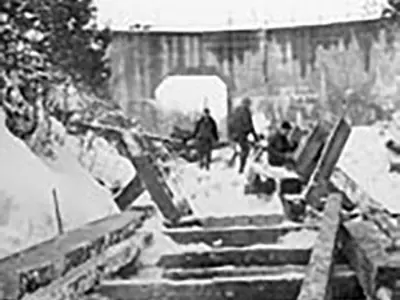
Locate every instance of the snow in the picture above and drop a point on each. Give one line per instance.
(191, 94)
(216, 193)
(366, 159)
(221, 191)
(27, 213)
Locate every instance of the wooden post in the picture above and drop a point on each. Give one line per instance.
(58, 213)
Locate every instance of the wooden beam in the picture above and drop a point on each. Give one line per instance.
(139, 152)
(86, 276)
(130, 193)
(38, 266)
(231, 221)
(317, 186)
(281, 287)
(235, 271)
(332, 150)
(234, 236)
(317, 282)
(245, 256)
(307, 157)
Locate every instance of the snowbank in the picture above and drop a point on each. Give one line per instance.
(27, 213)
(366, 159)
(94, 153)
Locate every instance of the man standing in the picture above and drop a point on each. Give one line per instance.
(240, 126)
(206, 134)
(280, 147)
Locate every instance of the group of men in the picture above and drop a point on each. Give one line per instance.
(240, 127)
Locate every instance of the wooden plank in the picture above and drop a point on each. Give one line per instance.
(316, 188)
(230, 221)
(140, 152)
(283, 287)
(332, 150)
(86, 276)
(244, 256)
(130, 193)
(236, 271)
(160, 193)
(57, 257)
(236, 236)
(307, 157)
(317, 282)
(236, 257)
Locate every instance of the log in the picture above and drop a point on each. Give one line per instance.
(283, 287)
(317, 282)
(235, 236)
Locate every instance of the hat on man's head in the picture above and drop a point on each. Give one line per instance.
(246, 101)
(286, 125)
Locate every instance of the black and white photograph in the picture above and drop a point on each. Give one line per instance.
(199, 150)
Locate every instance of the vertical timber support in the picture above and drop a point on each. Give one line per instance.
(151, 177)
(317, 185)
(317, 282)
(307, 157)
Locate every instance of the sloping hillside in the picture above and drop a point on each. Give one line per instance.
(27, 210)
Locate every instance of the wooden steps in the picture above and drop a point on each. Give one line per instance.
(284, 286)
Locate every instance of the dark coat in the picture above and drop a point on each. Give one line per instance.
(241, 124)
(206, 130)
(278, 146)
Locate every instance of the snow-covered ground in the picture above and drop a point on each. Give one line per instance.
(27, 209)
(366, 159)
(219, 192)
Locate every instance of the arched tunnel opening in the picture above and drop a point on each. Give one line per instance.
(182, 98)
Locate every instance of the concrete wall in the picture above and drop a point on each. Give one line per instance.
(270, 66)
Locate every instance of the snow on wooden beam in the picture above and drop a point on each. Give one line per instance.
(317, 282)
(234, 236)
(246, 256)
(230, 221)
(235, 271)
(37, 267)
(285, 286)
(85, 277)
